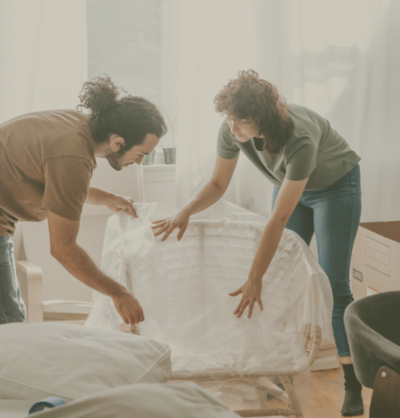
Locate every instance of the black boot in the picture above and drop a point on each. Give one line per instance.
(353, 404)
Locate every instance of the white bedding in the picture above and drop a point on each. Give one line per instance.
(14, 408)
(38, 360)
(147, 400)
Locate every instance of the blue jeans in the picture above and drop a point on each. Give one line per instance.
(334, 215)
(12, 308)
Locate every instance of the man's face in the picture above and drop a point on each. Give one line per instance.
(244, 130)
(134, 155)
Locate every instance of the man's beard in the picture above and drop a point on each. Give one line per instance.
(114, 160)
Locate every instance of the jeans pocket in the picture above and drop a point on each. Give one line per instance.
(350, 179)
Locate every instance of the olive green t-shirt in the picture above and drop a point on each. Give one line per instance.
(46, 162)
(314, 150)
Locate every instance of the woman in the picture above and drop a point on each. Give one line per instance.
(317, 189)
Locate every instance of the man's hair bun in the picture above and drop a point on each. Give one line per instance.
(99, 95)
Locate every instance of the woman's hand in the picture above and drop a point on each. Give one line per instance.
(166, 226)
(251, 293)
(118, 203)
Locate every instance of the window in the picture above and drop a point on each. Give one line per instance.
(124, 42)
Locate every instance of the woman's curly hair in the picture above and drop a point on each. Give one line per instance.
(253, 99)
(130, 117)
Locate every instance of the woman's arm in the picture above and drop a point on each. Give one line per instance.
(288, 197)
(215, 188)
(209, 194)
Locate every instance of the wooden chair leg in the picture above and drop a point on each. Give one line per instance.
(294, 408)
(134, 329)
(385, 400)
(295, 404)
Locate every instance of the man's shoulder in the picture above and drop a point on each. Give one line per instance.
(48, 134)
(46, 118)
(69, 135)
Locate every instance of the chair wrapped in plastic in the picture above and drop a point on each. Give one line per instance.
(183, 288)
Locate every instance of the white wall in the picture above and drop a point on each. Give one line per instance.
(160, 183)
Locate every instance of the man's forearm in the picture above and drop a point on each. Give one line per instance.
(79, 264)
(98, 196)
(209, 194)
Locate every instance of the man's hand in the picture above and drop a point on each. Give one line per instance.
(120, 203)
(114, 202)
(128, 307)
(251, 293)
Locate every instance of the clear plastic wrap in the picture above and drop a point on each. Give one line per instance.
(183, 288)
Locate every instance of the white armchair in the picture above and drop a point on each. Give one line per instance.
(50, 292)
(183, 287)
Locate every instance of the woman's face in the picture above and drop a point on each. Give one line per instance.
(244, 129)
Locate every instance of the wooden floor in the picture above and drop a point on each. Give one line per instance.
(326, 394)
(321, 395)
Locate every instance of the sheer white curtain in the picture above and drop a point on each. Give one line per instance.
(341, 58)
(337, 57)
(216, 39)
(43, 58)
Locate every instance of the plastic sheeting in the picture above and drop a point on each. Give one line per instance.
(183, 288)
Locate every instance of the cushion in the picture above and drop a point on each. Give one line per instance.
(38, 360)
(146, 400)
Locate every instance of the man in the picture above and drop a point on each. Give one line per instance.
(46, 162)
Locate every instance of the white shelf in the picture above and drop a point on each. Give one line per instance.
(159, 183)
(170, 167)
(159, 173)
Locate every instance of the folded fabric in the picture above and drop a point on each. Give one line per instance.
(38, 360)
(144, 401)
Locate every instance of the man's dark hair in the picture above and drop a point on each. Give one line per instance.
(130, 117)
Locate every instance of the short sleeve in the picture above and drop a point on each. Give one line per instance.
(226, 147)
(67, 181)
(303, 160)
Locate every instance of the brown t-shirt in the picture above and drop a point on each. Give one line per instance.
(46, 162)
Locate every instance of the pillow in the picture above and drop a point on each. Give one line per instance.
(184, 400)
(38, 360)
